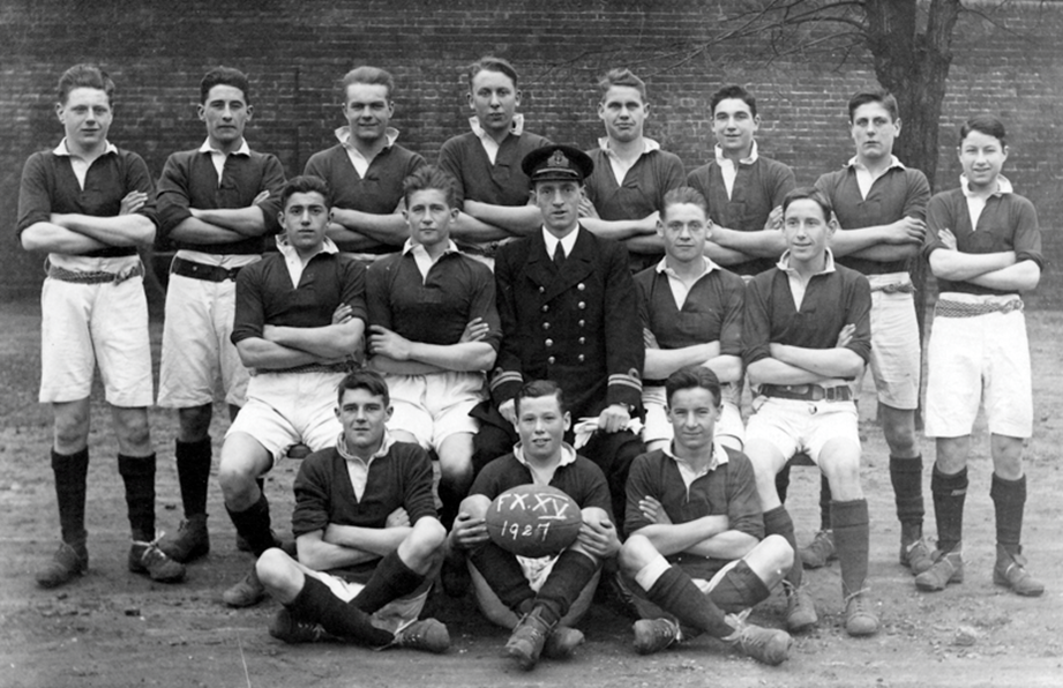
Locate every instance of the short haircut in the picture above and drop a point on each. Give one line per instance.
(684, 194)
(811, 193)
(363, 378)
(85, 76)
(304, 183)
(224, 76)
(368, 75)
(491, 64)
(986, 124)
(541, 388)
(430, 177)
(622, 77)
(733, 91)
(877, 96)
(693, 377)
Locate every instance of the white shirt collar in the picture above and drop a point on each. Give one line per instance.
(707, 267)
(719, 455)
(568, 454)
(244, 149)
(567, 243)
(894, 162)
(343, 135)
(62, 149)
(648, 145)
(422, 259)
(784, 263)
(721, 158)
(516, 127)
(385, 447)
(418, 248)
(678, 285)
(1003, 186)
(289, 251)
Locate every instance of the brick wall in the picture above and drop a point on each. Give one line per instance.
(296, 51)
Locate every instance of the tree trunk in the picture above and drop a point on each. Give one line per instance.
(914, 67)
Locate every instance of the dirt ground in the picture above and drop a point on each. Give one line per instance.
(113, 628)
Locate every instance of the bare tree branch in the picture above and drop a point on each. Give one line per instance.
(982, 14)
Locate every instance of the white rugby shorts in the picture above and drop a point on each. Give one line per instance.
(974, 360)
(794, 425)
(895, 355)
(283, 409)
(729, 427)
(434, 407)
(199, 361)
(85, 325)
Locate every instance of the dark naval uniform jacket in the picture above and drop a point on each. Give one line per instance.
(578, 326)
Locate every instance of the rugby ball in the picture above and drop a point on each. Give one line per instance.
(533, 521)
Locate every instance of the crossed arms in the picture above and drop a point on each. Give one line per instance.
(74, 233)
(1001, 270)
(338, 546)
(729, 535)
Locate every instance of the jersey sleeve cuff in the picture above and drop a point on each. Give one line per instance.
(505, 384)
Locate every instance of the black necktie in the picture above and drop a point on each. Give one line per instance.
(559, 255)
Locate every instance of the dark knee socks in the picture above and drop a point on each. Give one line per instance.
(504, 575)
(70, 473)
(782, 483)
(907, 478)
(193, 473)
(391, 580)
(571, 573)
(677, 594)
(849, 521)
(754, 590)
(138, 474)
(317, 603)
(950, 492)
(253, 525)
(825, 501)
(451, 497)
(777, 521)
(1009, 500)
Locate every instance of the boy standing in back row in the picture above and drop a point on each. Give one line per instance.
(216, 203)
(486, 162)
(625, 192)
(365, 170)
(984, 247)
(89, 205)
(880, 206)
(743, 189)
